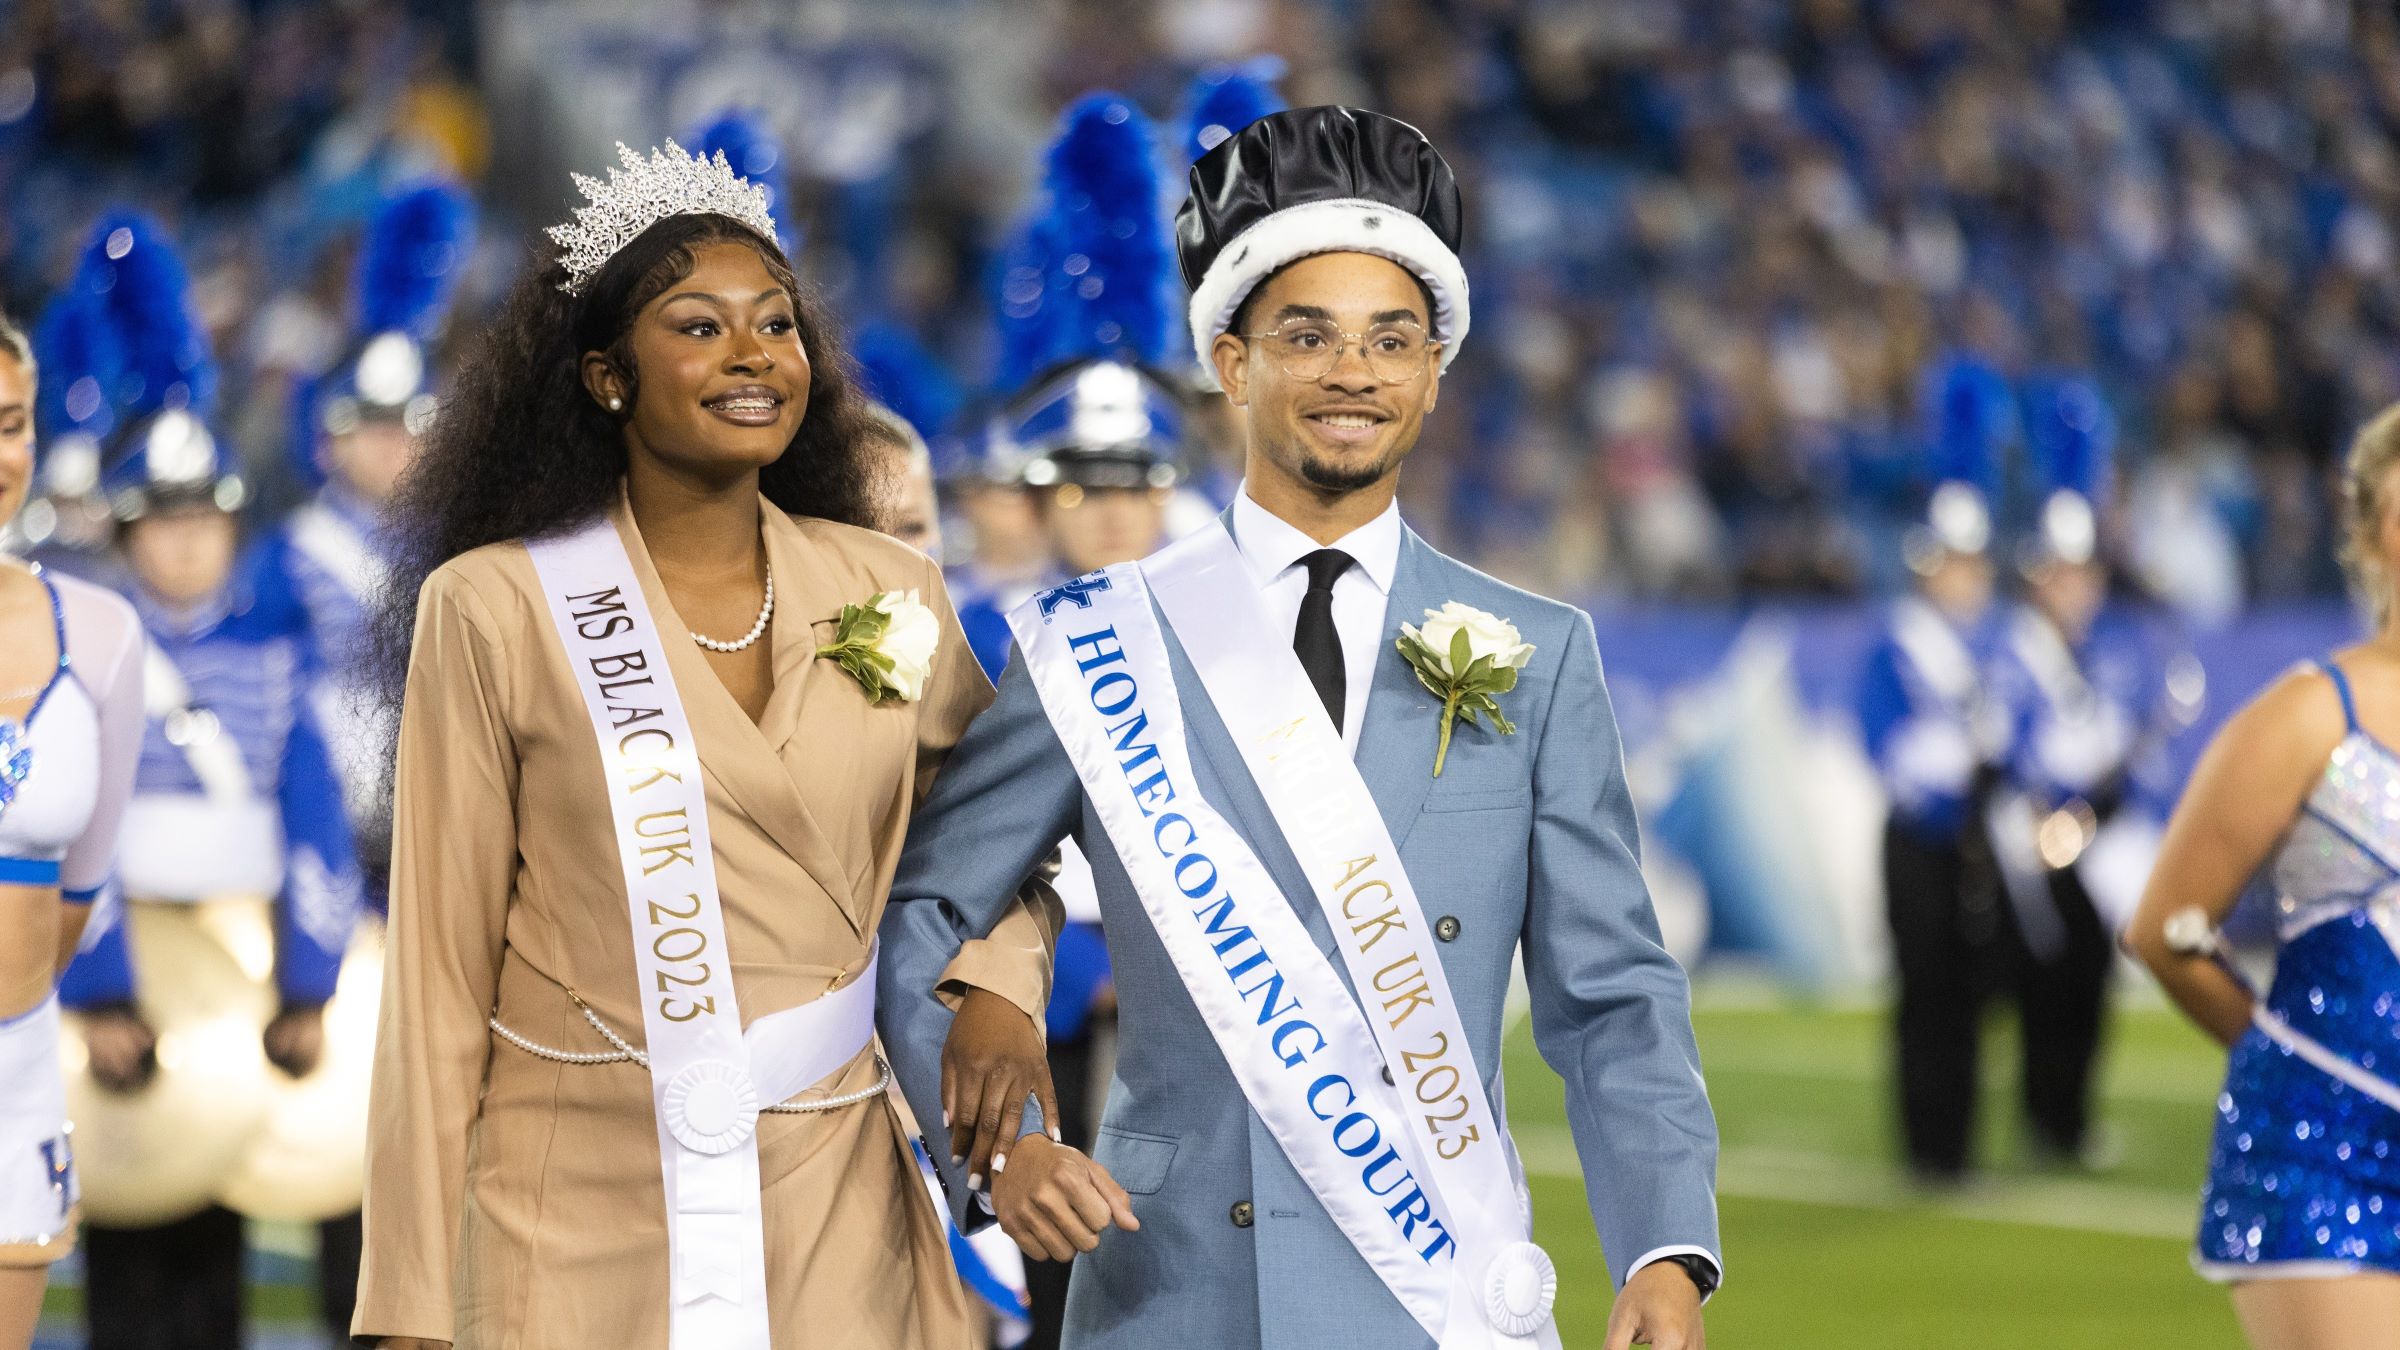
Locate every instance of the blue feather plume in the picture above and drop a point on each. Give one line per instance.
(409, 267)
(1973, 419)
(145, 299)
(755, 153)
(1111, 258)
(2073, 433)
(899, 373)
(81, 360)
(1021, 302)
(1225, 99)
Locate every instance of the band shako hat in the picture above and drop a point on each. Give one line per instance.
(1319, 180)
(2072, 432)
(1971, 419)
(1087, 323)
(152, 363)
(410, 263)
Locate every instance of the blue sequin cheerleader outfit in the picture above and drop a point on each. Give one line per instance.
(2304, 1173)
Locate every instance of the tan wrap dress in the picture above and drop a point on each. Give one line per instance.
(514, 1201)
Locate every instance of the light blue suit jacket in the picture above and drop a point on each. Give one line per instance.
(1527, 838)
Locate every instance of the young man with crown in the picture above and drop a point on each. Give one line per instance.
(1318, 855)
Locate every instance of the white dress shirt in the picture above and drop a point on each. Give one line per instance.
(1361, 594)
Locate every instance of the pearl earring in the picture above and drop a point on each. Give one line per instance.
(616, 404)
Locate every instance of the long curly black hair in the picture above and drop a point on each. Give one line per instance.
(519, 447)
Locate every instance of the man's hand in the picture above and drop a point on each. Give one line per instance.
(993, 1059)
(123, 1049)
(295, 1040)
(1660, 1307)
(1055, 1202)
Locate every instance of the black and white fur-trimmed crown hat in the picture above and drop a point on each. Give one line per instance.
(1319, 180)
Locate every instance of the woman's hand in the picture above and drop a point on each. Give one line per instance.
(123, 1049)
(1054, 1202)
(993, 1059)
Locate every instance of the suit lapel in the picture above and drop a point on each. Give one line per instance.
(733, 750)
(1395, 748)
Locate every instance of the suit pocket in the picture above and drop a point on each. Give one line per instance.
(1138, 1161)
(1478, 799)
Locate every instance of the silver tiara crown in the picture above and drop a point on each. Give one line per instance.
(671, 182)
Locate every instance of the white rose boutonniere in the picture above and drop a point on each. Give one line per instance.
(886, 644)
(1467, 659)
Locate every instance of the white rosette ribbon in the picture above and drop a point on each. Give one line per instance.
(1519, 1287)
(711, 1107)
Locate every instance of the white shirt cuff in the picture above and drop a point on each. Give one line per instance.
(1680, 1249)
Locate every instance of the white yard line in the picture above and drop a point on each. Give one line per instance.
(1807, 1178)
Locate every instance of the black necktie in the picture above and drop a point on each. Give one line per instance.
(1314, 638)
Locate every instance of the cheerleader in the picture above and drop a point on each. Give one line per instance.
(70, 726)
(2301, 1210)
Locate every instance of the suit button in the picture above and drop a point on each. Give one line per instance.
(1446, 928)
(1243, 1214)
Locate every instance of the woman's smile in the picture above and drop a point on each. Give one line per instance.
(749, 405)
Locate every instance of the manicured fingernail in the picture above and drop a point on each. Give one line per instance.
(999, 1163)
(958, 1160)
(974, 1181)
(1056, 1137)
(945, 1117)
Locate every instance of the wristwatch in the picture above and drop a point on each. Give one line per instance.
(1702, 1270)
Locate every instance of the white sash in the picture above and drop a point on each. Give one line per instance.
(337, 546)
(1417, 1175)
(1938, 653)
(215, 758)
(700, 1068)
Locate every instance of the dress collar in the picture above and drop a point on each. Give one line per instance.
(1273, 546)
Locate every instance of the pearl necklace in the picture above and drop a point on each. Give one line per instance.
(766, 611)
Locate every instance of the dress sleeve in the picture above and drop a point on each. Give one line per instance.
(454, 862)
(104, 648)
(1015, 959)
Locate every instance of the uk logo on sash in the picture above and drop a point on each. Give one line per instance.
(1078, 593)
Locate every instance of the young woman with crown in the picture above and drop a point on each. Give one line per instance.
(668, 706)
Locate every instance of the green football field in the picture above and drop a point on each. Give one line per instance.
(1827, 1247)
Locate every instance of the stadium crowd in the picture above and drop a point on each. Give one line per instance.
(1720, 247)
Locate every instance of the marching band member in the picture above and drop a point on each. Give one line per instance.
(2301, 1210)
(1314, 896)
(322, 569)
(70, 728)
(668, 707)
(1931, 731)
(1098, 434)
(234, 797)
(2089, 713)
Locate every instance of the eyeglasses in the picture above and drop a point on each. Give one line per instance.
(1309, 349)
